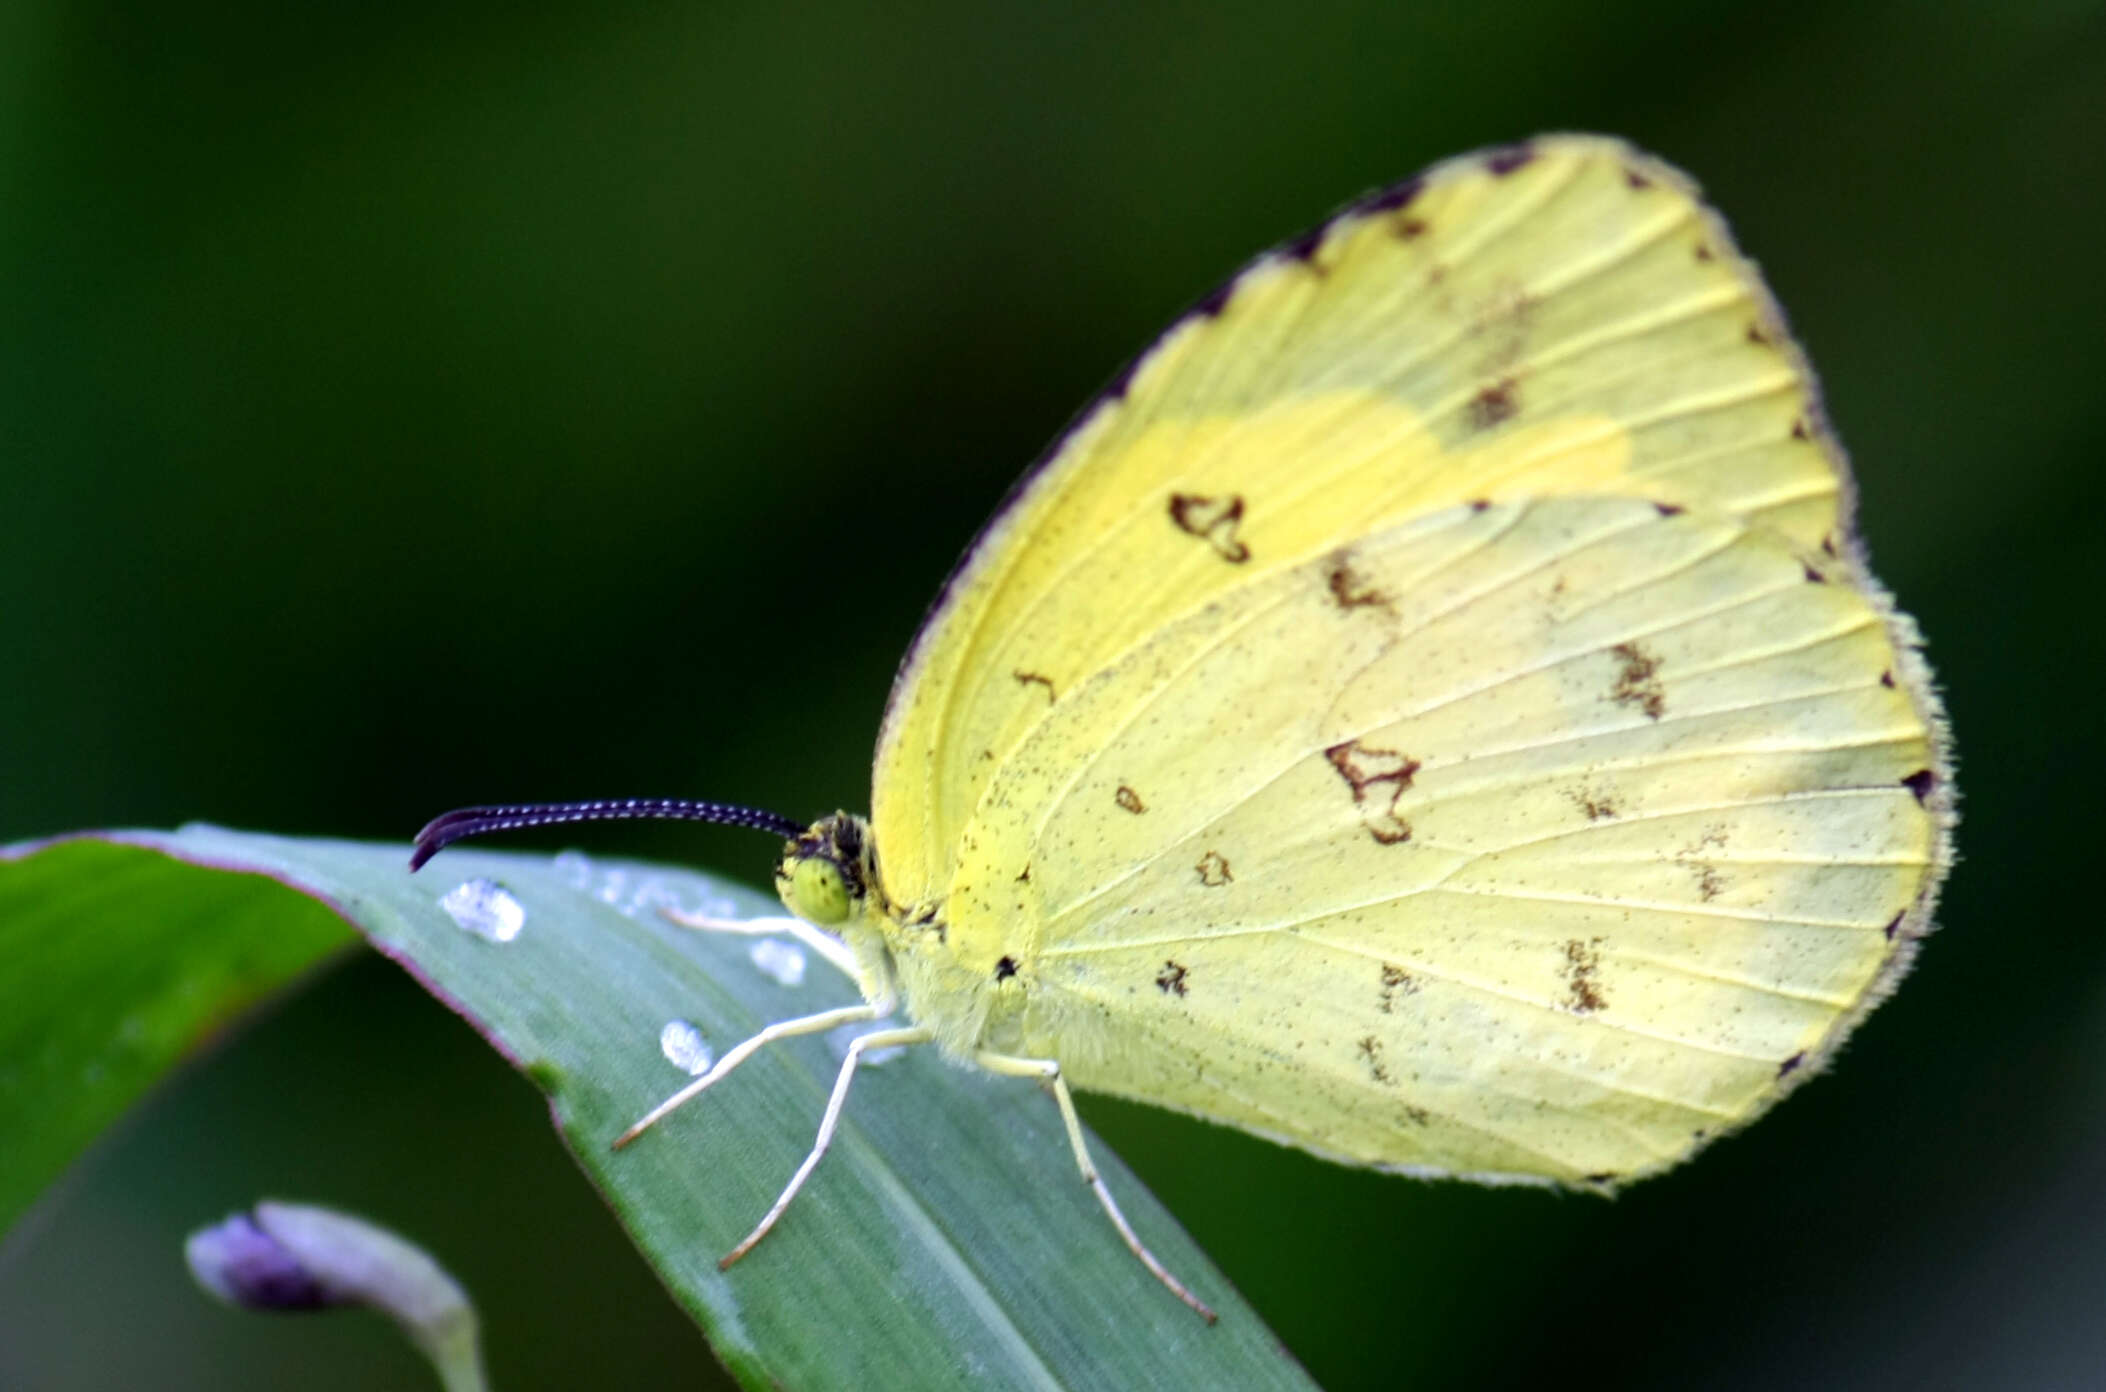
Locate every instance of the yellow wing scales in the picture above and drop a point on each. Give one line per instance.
(1432, 709)
(1434, 858)
(1574, 321)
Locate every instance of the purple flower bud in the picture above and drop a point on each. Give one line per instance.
(244, 1265)
(297, 1257)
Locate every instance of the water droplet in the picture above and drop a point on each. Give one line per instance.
(656, 894)
(838, 1040)
(639, 894)
(486, 909)
(574, 868)
(685, 1048)
(781, 960)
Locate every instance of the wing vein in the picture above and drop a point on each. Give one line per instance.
(1653, 906)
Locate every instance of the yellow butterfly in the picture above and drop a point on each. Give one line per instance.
(1432, 709)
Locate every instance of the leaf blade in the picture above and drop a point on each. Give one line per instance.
(89, 1021)
(945, 1240)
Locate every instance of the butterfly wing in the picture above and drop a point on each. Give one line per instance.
(1564, 317)
(1549, 841)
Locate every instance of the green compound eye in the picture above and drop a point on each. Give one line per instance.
(818, 891)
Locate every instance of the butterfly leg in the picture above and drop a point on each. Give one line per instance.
(739, 1053)
(877, 1039)
(818, 940)
(1047, 1071)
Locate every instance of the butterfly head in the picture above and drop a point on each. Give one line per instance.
(828, 873)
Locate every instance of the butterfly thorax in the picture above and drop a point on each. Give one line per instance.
(830, 877)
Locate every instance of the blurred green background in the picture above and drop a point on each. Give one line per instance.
(404, 408)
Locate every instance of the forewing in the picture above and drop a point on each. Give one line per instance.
(1564, 317)
(1537, 840)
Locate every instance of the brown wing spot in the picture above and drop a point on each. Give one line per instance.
(1636, 180)
(1367, 771)
(1757, 337)
(1597, 806)
(1130, 800)
(1349, 588)
(1603, 1178)
(1638, 680)
(1305, 247)
(1398, 195)
(1828, 547)
(1023, 876)
(1710, 883)
(1711, 838)
(1920, 783)
(1791, 1065)
(1396, 983)
(1171, 979)
(1409, 228)
(1894, 926)
(1669, 509)
(1503, 162)
(1799, 431)
(1814, 577)
(1370, 1050)
(1886, 679)
(1213, 519)
(1418, 1116)
(1703, 251)
(1215, 302)
(1582, 973)
(1499, 326)
(1493, 404)
(1005, 969)
(1213, 870)
(1024, 678)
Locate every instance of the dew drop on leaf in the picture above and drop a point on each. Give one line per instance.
(781, 960)
(486, 909)
(574, 868)
(685, 1048)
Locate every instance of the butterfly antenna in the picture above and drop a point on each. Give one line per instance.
(464, 822)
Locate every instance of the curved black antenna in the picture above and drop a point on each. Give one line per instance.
(464, 822)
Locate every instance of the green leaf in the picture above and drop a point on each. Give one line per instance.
(117, 964)
(945, 1240)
